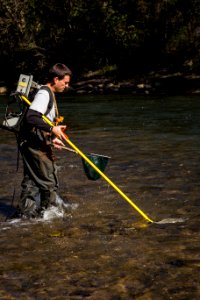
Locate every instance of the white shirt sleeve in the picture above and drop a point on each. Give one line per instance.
(40, 102)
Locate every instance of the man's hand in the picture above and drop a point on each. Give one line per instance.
(58, 144)
(59, 131)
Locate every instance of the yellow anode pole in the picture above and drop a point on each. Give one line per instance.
(97, 169)
(110, 182)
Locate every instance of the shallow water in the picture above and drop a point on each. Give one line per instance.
(102, 248)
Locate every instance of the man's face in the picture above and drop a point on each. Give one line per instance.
(61, 84)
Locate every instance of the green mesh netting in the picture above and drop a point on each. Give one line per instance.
(99, 161)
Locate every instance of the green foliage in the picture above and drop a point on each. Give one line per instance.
(88, 35)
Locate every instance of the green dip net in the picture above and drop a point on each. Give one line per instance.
(100, 161)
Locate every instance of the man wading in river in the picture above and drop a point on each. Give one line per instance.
(36, 141)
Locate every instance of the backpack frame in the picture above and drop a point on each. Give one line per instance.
(16, 108)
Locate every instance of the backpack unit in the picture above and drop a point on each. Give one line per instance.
(14, 114)
(17, 108)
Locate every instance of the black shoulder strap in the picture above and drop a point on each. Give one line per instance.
(50, 105)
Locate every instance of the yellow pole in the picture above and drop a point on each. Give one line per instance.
(97, 169)
(109, 181)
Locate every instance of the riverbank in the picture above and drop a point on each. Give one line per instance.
(171, 84)
(167, 84)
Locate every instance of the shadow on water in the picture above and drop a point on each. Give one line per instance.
(5, 209)
(103, 249)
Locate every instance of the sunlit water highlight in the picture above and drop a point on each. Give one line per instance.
(100, 247)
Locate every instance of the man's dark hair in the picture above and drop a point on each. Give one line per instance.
(58, 70)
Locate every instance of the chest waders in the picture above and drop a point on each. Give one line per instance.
(40, 181)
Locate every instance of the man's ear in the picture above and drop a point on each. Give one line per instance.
(54, 80)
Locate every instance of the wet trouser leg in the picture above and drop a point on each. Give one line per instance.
(40, 178)
(28, 197)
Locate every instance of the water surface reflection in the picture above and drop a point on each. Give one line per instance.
(104, 249)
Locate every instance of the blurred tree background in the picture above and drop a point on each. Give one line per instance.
(124, 37)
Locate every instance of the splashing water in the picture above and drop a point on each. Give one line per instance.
(59, 210)
(171, 221)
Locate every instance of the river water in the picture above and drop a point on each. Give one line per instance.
(102, 248)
